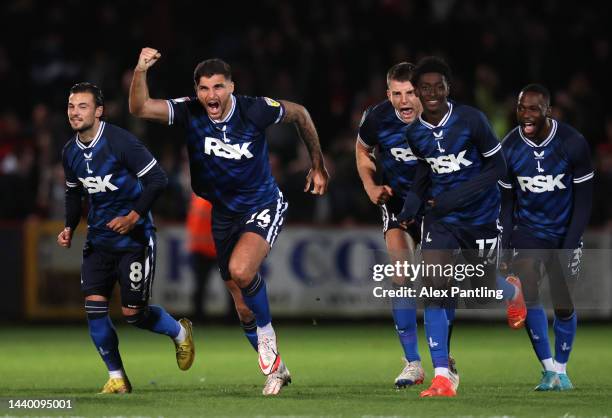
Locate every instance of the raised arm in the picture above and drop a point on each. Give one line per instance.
(141, 105)
(317, 176)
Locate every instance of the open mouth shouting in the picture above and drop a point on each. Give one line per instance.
(529, 128)
(214, 108)
(407, 113)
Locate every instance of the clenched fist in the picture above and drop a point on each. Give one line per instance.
(148, 57)
(379, 195)
(124, 224)
(64, 239)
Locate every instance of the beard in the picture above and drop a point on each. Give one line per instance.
(83, 127)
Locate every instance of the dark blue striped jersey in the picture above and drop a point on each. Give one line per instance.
(542, 177)
(381, 126)
(455, 150)
(229, 158)
(107, 169)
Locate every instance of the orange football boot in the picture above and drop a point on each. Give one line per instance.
(516, 310)
(440, 386)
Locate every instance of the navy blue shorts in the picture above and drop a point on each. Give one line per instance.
(478, 245)
(526, 245)
(477, 242)
(389, 212)
(525, 239)
(134, 269)
(265, 221)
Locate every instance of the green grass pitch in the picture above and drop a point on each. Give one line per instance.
(337, 371)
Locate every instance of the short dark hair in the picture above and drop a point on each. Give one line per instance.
(210, 67)
(400, 72)
(537, 88)
(86, 87)
(431, 64)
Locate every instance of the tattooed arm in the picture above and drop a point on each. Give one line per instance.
(317, 176)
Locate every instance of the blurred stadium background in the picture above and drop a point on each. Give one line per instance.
(332, 57)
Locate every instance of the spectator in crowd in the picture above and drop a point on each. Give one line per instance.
(202, 254)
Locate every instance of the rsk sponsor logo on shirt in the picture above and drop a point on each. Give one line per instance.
(216, 147)
(541, 184)
(98, 184)
(403, 154)
(448, 163)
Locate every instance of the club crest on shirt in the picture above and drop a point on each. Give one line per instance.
(271, 102)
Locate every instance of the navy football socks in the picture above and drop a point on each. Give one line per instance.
(250, 332)
(565, 331)
(436, 331)
(103, 333)
(508, 290)
(450, 319)
(536, 325)
(404, 316)
(256, 298)
(155, 318)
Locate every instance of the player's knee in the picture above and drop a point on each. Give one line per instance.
(434, 302)
(564, 313)
(531, 292)
(530, 284)
(135, 317)
(96, 309)
(241, 274)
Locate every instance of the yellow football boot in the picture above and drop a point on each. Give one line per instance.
(117, 385)
(185, 351)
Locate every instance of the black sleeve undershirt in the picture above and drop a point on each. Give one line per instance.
(153, 183)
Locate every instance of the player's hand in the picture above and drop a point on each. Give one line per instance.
(379, 195)
(318, 179)
(148, 57)
(406, 224)
(64, 239)
(124, 224)
(410, 209)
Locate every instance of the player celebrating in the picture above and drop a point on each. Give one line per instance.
(228, 157)
(459, 152)
(122, 180)
(546, 207)
(384, 127)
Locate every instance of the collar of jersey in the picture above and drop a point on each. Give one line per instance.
(442, 122)
(549, 138)
(92, 143)
(229, 115)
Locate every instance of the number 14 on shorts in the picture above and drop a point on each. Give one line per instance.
(263, 218)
